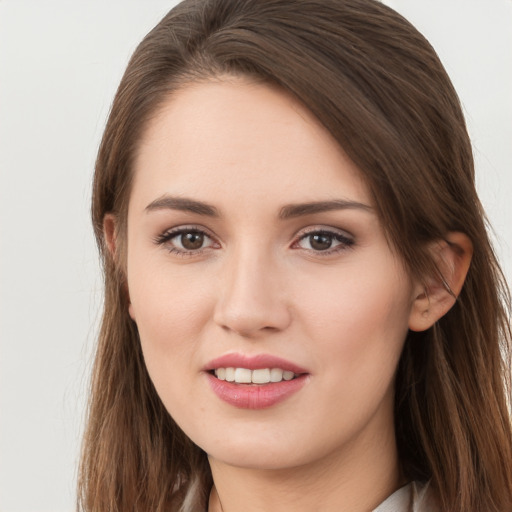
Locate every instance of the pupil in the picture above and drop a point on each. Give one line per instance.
(192, 240)
(320, 242)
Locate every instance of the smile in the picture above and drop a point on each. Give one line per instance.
(258, 376)
(255, 381)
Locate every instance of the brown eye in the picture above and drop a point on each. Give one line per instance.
(192, 240)
(325, 241)
(185, 241)
(320, 242)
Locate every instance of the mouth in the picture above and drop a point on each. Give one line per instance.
(256, 376)
(254, 382)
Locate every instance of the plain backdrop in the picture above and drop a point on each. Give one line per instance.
(60, 63)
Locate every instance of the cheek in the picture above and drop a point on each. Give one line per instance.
(357, 326)
(359, 298)
(170, 314)
(361, 321)
(162, 293)
(170, 310)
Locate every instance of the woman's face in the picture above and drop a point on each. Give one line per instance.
(254, 252)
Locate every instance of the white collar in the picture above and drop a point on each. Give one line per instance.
(413, 497)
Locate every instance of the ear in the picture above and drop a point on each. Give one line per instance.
(110, 234)
(434, 298)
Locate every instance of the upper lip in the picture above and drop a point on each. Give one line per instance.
(254, 362)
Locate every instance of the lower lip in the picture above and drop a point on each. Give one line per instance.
(255, 396)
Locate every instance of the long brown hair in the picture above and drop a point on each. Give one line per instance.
(380, 89)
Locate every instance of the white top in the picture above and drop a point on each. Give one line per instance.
(413, 497)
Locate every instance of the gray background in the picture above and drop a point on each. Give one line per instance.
(60, 62)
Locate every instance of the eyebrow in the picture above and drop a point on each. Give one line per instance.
(298, 210)
(183, 204)
(287, 212)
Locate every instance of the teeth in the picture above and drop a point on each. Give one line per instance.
(259, 376)
(243, 376)
(230, 374)
(287, 375)
(276, 375)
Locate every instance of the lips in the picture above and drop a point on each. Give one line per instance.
(254, 382)
(254, 363)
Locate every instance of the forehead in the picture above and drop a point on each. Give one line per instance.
(233, 137)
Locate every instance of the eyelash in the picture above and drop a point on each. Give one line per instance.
(345, 241)
(167, 236)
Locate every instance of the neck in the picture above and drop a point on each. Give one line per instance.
(357, 479)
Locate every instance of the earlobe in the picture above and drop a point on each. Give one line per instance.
(435, 297)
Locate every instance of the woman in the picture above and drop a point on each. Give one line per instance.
(302, 308)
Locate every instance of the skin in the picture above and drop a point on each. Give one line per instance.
(258, 284)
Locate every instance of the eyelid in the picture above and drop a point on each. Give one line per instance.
(346, 239)
(322, 228)
(167, 235)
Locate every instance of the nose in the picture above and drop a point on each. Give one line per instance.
(252, 296)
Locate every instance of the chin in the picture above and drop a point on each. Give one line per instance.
(266, 452)
(259, 459)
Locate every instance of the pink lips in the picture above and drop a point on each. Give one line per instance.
(253, 363)
(254, 396)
